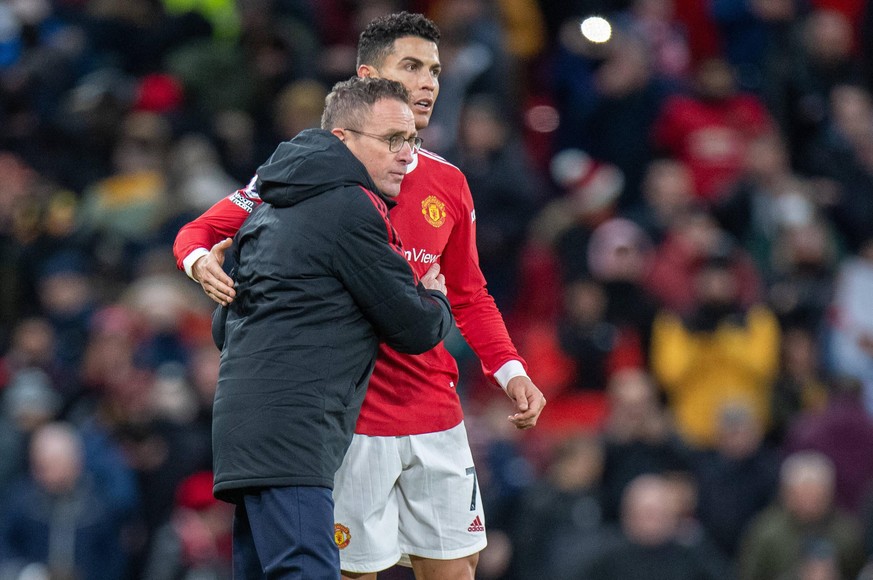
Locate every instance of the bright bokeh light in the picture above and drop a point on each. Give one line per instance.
(596, 29)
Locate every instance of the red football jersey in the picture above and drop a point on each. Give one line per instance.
(436, 220)
(711, 137)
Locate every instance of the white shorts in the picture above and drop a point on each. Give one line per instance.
(415, 495)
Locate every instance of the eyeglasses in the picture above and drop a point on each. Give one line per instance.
(395, 142)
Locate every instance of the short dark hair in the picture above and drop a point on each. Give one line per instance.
(377, 40)
(349, 101)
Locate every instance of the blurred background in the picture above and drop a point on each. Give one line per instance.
(674, 202)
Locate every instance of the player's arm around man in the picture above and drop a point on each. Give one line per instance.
(403, 47)
(208, 272)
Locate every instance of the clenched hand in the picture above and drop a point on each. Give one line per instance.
(529, 402)
(433, 280)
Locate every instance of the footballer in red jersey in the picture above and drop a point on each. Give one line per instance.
(407, 490)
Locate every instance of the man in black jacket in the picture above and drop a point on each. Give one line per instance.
(321, 281)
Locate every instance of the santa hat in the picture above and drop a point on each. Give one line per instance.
(592, 185)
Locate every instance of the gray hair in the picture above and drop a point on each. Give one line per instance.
(806, 466)
(349, 102)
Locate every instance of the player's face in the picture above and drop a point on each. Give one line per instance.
(388, 117)
(415, 63)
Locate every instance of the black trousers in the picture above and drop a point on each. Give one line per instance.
(285, 533)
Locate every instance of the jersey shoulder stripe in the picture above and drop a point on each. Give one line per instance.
(251, 190)
(433, 156)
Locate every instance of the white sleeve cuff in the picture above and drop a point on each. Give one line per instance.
(189, 260)
(509, 371)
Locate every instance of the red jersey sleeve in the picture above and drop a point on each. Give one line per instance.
(476, 314)
(222, 220)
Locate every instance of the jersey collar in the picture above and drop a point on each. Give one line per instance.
(414, 164)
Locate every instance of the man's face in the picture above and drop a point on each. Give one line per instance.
(415, 63)
(388, 117)
(55, 461)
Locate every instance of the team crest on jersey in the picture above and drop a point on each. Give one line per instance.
(341, 536)
(434, 211)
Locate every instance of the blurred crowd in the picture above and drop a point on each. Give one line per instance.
(674, 213)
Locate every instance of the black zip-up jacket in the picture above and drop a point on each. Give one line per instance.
(320, 280)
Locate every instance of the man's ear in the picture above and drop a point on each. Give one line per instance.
(340, 133)
(366, 71)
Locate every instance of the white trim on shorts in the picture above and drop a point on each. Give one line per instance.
(410, 495)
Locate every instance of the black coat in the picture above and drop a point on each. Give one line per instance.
(320, 281)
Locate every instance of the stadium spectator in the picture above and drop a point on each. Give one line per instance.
(564, 508)
(667, 191)
(506, 189)
(842, 432)
(801, 387)
(710, 128)
(841, 153)
(62, 518)
(736, 479)
(638, 437)
(693, 236)
(797, 82)
(719, 353)
(649, 546)
(850, 326)
(800, 522)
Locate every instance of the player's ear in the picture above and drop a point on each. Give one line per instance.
(366, 71)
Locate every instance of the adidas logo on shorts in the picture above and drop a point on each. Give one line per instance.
(476, 526)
